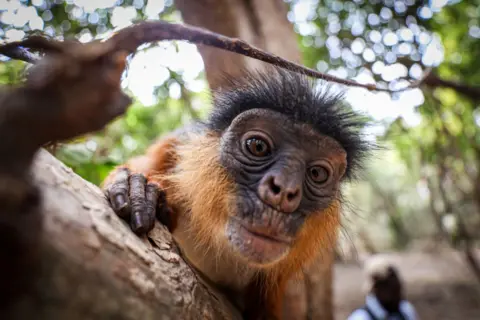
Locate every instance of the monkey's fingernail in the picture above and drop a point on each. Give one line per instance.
(137, 223)
(120, 202)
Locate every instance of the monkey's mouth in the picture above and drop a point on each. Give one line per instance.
(259, 233)
(259, 245)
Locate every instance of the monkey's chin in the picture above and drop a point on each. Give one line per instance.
(255, 246)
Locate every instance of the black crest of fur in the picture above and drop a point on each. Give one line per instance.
(297, 97)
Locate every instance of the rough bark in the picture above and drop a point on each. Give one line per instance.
(262, 23)
(93, 267)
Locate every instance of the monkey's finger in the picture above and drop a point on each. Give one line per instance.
(151, 198)
(118, 192)
(163, 211)
(138, 219)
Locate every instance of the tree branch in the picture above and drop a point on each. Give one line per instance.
(130, 38)
(434, 81)
(19, 53)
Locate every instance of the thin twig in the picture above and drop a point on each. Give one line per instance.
(19, 53)
(419, 82)
(130, 38)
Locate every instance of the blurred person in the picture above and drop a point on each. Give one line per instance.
(385, 297)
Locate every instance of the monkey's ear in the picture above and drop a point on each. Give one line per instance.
(342, 169)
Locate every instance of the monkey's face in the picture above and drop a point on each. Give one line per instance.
(284, 174)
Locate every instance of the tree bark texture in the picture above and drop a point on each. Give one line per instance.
(262, 23)
(93, 267)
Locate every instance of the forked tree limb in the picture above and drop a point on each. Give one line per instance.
(130, 38)
(64, 253)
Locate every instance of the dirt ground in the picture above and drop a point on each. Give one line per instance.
(439, 285)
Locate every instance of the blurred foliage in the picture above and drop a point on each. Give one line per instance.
(393, 42)
(82, 19)
(431, 184)
(93, 156)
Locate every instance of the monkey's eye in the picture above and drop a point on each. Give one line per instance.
(258, 147)
(318, 174)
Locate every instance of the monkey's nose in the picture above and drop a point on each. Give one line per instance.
(280, 192)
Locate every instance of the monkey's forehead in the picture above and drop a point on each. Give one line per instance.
(275, 119)
(276, 122)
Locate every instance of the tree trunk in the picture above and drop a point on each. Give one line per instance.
(262, 23)
(93, 267)
(442, 233)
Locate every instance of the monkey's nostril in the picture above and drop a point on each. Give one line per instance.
(292, 195)
(275, 189)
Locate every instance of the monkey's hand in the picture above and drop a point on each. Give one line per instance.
(136, 199)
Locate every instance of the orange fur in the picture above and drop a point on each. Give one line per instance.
(317, 236)
(200, 185)
(159, 159)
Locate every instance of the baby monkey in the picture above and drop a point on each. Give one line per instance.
(252, 194)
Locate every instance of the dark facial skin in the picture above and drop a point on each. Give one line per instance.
(284, 173)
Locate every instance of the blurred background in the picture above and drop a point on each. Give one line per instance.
(418, 201)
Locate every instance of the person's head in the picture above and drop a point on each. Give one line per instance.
(384, 283)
